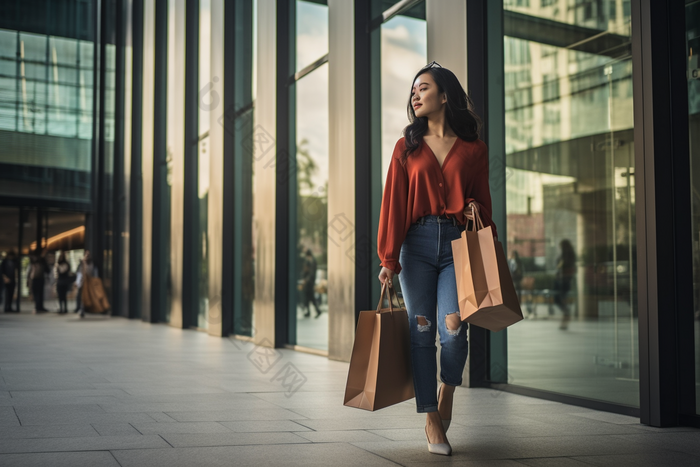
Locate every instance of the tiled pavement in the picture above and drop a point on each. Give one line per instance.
(111, 392)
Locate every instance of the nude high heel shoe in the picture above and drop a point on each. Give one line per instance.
(445, 423)
(444, 449)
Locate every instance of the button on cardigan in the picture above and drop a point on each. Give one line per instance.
(421, 187)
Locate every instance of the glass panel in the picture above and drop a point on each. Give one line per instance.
(596, 14)
(110, 58)
(246, 140)
(404, 51)
(312, 209)
(312, 32)
(570, 199)
(175, 157)
(692, 26)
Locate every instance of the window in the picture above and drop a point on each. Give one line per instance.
(570, 216)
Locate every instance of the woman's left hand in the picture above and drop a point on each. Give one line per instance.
(470, 210)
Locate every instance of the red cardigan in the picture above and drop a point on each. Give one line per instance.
(422, 187)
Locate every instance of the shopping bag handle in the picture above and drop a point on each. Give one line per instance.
(391, 305)
(477, 224)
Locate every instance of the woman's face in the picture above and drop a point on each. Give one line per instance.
(425, 96)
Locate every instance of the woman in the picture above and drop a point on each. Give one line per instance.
(566, 268)
(63, 282)
(438, 174)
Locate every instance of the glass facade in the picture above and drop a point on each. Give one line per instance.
(570, 201)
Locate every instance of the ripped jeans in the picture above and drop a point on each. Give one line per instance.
(428, 278)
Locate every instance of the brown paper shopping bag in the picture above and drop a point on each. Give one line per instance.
(380, 372)
(485, 288)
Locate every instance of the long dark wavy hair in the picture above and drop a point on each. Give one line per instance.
(459, 111)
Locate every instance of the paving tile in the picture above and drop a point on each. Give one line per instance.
(191, 406)
(182, 427)
(676, 459)
(363, 424)
(264, 425)
(169, 390)
(412, 434)
(304, 399)
(457, 460)
(553, 462)
(91, 443)
(56, 401)
(89, 418)
(49, 431)
(687, 442)
(115, 429)
(59, 459)
(233, 415)
(289, 455)
(8, 417)
(670, 429)
(339, 436)
(351, 412)
(231, 439)
(68, 393)
(53, 384)
(609, 417)
(58, 410)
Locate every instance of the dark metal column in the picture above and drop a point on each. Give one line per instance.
(488, 352)
(663, 212)
(190, 264)
(136, 185)
(161, 206)
(286, 162)
(93, 235)
(118, 197)
(368, 170)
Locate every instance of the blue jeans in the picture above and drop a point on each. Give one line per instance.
(428, 279)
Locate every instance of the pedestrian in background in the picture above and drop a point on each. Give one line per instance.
(8, 270)
(566, 268)
(36, 277)
(61, 273)
(309, 288)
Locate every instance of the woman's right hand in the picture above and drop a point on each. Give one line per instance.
(386, 274)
